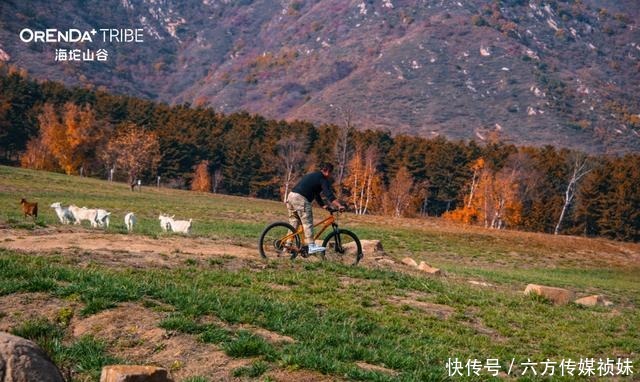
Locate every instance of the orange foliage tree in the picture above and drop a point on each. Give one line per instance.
(133, 150)
(493, 198)
(202, 177)
(37, 156)
(65, 140)
(364, 182)
(399, 196)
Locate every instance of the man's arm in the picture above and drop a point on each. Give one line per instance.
(327, 191)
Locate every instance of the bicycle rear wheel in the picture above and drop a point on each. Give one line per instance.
(343, 246)
(277, 240)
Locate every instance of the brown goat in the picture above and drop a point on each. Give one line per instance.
(29, 209)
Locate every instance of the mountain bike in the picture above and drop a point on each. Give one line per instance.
(281, 239)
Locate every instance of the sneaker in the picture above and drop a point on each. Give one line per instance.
(313, 248)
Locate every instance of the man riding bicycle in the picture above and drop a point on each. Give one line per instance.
(298, 202)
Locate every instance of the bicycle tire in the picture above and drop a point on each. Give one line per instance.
(342, 246)
(270, 244)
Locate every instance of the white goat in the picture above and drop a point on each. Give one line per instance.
(80, 214)
(130, 221)
(65, 216)
(165, 222)
(102, 218)
(182, 226)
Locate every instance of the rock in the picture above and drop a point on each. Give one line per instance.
(134, 373)
(424, 267)
(437, 310)
(480, 283)
(384, 261)
(410, 262)
(22, 360)
(350, 248)
(376, 368)
(557, 295)
(370, 247)
(595, 300)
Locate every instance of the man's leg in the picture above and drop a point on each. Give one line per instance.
(300, 210)
(307, 222)
(294, 217)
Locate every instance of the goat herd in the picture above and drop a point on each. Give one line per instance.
(100, 218)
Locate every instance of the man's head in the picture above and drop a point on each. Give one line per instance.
(326, 169)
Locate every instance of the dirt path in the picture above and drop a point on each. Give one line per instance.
(133, 250)
(138, 251)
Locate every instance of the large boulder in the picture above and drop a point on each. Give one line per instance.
(558, 296)
(22, 360)
(369, 247)
(134, 373)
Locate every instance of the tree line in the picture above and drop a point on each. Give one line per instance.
(49, 126)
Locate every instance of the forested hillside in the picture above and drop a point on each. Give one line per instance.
(560, 72)
(45, 125)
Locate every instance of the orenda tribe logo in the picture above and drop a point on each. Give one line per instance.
(76, 35)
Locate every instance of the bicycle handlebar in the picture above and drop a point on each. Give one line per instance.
(333, 209)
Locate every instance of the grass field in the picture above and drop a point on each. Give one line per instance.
(357, 323)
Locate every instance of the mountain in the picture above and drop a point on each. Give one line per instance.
(534, 72)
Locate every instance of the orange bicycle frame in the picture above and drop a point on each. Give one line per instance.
(330, 220)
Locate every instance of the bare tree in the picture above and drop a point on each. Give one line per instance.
(580, 168)
(291, 159)
(423, 194)
(217, 179)
(342, 143)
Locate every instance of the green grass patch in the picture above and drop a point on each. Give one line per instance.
(247, 344)
(337, 315)
(83, 358)
(333, 329)
(254, 370)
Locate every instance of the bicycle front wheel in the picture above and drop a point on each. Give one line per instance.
(278, 239)
(343, 246)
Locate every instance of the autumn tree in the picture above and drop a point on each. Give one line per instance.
(469, 212)
(70, 137)
(133, 150)
(399, 195)
(201, 177)
(493, 199)
(37, 156)
(364, 182)
(477, 166)
(505, 207)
